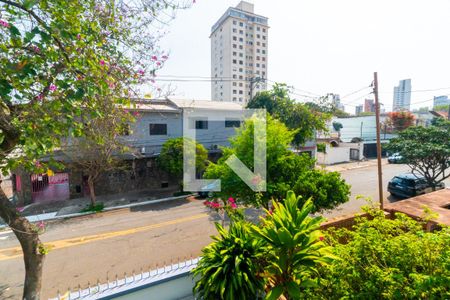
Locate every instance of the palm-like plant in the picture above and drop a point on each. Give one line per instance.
(228, 268)
(293, 247)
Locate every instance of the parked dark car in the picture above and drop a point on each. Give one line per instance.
(396, 158)
(409, 185)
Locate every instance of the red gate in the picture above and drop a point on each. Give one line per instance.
(47, 188)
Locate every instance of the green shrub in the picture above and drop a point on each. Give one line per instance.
(386, 259)
(93, 208)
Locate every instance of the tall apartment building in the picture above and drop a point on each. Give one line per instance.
(369, 105)
(440, 100)
(402, 95)
(239, 54)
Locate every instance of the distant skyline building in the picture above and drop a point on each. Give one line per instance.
(239, 54)
(358, 109)
(402, 96)
(336, 100)
(369, 105)
(441, 100)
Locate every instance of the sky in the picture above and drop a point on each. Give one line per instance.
(328, 46)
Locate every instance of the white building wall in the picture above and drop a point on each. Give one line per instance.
(239, 54)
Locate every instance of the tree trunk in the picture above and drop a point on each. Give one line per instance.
(92, 190)
(28, 237)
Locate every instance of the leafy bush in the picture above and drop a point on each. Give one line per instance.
(228, 268)
(326, 189)
(321, 147)
(386, 259)
(93, 208)
(275, 256)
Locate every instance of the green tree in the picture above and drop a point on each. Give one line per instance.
(284, 168)
(327, 189)
(295, 116)
(385, 259)
(171, 157)
(56, 59)
(426, 150)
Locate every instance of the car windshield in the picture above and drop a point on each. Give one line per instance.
(403, 181)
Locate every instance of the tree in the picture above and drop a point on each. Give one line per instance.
(426, 150)
(295, 116)
(400, 120)
(171, 157)
(284, 167)
(327, 189)
(102, 147)
(56, 59)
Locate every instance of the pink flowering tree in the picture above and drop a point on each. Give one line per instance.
(58, 59)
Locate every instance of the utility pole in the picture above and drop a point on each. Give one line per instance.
(377, 118)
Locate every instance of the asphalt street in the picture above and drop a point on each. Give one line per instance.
(105, 245)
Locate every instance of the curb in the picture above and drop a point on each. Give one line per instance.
(107, 209)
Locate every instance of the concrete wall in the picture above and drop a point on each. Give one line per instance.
(340, 154)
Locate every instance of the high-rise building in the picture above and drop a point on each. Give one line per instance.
(369, 105)
(441, 100)
(336, 100)
(358, 109)
(402, 95)
(239, 54)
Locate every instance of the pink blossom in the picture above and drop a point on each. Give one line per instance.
(233, 205)
(152, 80)
(321, 238)
(36, 49)
(4, 24)
(79, 36)
(141, 72)
(40, 97)
(111, 85)
(154, 57)
(37, 164)
(136, 113)
(102, 62)
(231, 200)
(158, 63)
(52, 87)
(164, 57)
(41, 225)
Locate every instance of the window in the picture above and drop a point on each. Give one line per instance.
(234, 38)
(258, 51)
(234, 22)
(263, 51)
(263, 59)
(263, 44)
(241, 54)
(241, 24)
(158, 129)
(234, 92)
(234, 83)
(241, 92)
(241, 47)
(258, 43)
(240, 84)
(264, 37)
(263, 65)
(234, 61)
(234, 46)
(241, 32)
(258, 28)
(241, 62)
(241, 77)
(241, 39)
(258, 36)
(257, 58)
(234, 76)
(264, 30)
(257, 65)
(232, 123)
(234, 30)
(234, 53)
(201, 124)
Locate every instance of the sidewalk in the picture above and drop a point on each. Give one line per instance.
(73, 207)
(353, 165)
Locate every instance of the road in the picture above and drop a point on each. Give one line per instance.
(99, 247)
